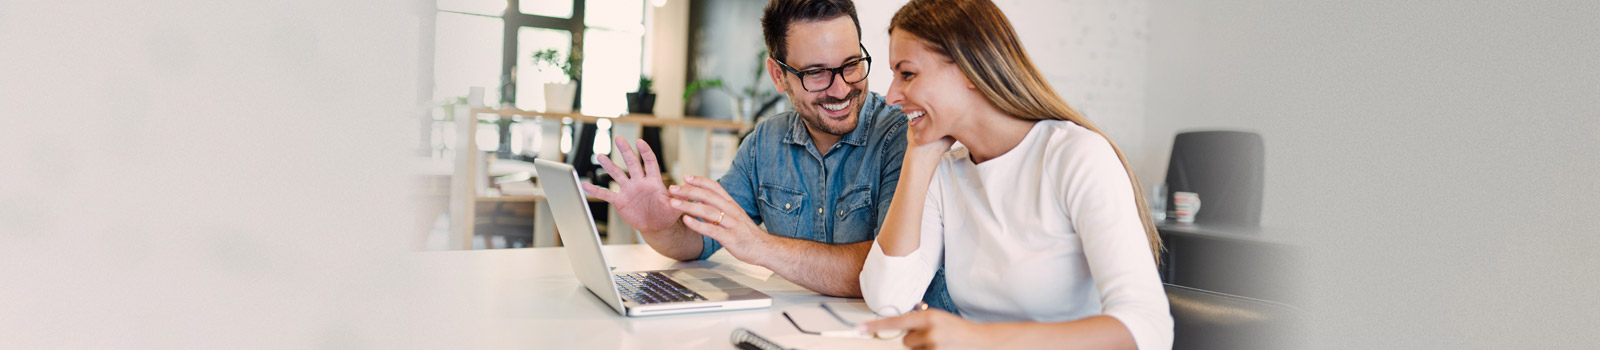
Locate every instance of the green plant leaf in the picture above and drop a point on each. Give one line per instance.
(701, 84)
(569, 65)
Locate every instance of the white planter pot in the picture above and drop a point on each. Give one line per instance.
(558, 97)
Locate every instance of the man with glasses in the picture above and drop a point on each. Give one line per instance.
(819, 178)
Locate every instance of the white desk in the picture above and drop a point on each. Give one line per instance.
(529, 298)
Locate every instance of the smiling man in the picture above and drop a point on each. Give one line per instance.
(808, 189)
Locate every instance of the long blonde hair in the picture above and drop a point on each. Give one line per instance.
(980, 40)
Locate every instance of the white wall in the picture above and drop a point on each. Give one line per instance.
(1437, 158)
(668, 50)
(1093, 52)
(668, 55)
(200, 174)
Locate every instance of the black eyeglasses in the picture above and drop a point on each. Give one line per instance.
(819, 79)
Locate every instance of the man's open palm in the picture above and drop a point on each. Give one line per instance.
(642, 197)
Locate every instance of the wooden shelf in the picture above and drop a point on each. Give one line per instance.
(526, 198)
(641, 119)
(693, 152)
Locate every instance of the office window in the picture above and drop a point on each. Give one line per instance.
(613, 50)
(530, 78)
(472, 48)
(467, 51)
(480, 7)
(547, 8)
(619, 14)
(611, 70)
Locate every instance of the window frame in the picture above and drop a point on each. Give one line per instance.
(514, 20)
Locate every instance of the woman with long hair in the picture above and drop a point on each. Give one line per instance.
(1037, 217)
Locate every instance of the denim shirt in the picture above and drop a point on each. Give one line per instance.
(780, 178)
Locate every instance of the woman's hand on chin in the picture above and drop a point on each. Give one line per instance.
(928, 151)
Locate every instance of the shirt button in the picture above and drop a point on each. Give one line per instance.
(819, 211)
(785, 206)
(841, 213)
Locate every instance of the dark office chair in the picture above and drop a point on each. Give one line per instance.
(1225, 168)
(499, 220)
(582, 156)
(1204, 320)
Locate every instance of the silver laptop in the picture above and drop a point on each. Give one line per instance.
(660, 292)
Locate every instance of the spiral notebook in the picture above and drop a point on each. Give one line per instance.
(744, 339)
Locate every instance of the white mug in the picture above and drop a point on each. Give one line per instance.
(1186, 205)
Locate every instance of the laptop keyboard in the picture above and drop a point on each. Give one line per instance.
(653, 288)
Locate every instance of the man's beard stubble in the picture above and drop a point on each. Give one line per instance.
(814, 119)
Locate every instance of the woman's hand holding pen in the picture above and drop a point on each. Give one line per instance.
(936, 329)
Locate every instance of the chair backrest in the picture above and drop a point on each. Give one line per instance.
(1204, 320)
(1225, 168)
(583, 149)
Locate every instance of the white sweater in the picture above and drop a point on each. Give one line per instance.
(1046, 232)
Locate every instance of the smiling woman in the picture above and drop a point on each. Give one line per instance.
(993, 62)
(1066, 256)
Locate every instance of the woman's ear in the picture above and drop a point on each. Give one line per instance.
(957, 72)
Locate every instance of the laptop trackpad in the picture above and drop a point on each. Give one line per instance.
(693, 274)
(723, 283)
(714, 283)
(716, 288)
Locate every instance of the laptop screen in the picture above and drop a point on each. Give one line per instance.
(576, 226)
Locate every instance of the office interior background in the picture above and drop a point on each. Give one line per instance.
(194, 173)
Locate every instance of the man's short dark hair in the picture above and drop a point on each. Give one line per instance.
(775, 20)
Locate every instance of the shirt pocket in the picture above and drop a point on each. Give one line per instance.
(856, 219)
(781, 209)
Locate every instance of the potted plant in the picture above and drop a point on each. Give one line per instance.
(644, 100)
(716, 84)
(746, 105)
(559, 97)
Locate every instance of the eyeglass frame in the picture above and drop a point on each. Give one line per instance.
(837, 71)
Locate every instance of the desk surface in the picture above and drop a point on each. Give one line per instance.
(1252, 261)
(529, 298)
(1241, 233)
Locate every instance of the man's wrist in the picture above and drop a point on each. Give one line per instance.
(762, 248)
(675, 241)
